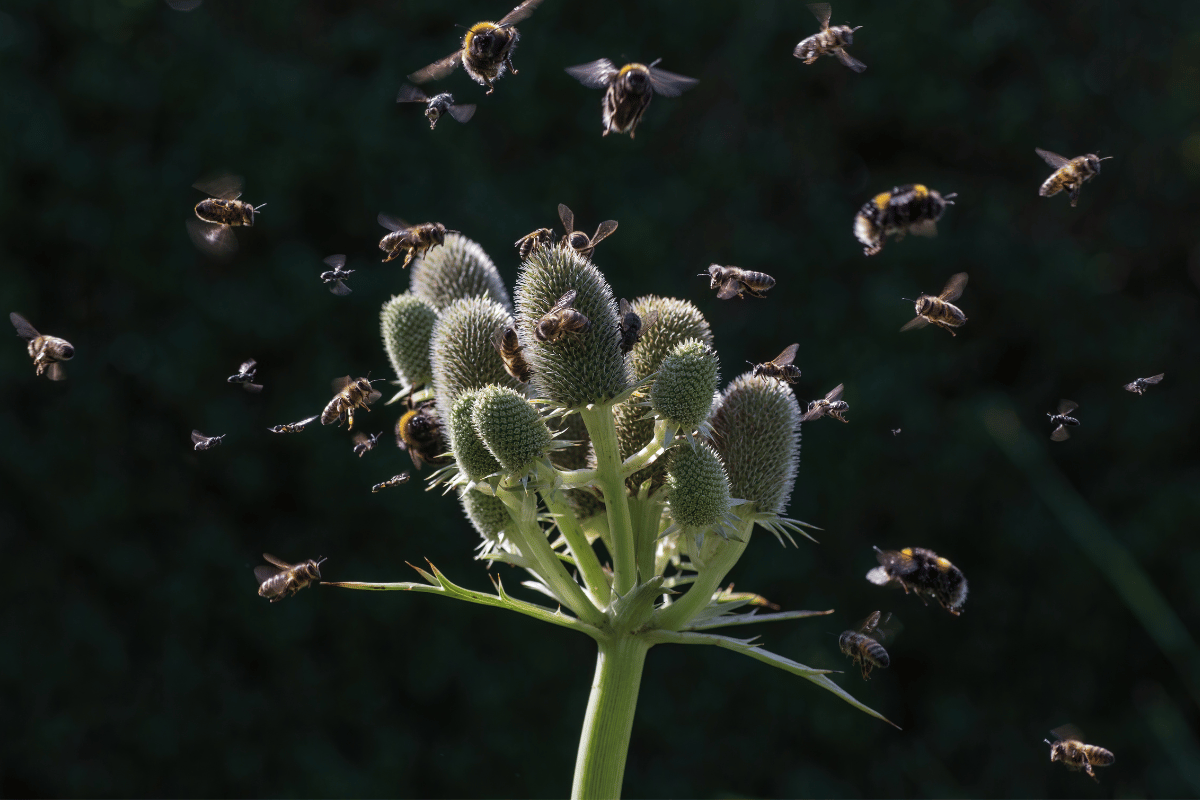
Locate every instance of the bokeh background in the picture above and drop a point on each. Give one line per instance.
(138, 660)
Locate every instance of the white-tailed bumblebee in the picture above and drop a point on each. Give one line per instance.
(413, 240)
(1063, 421)
(940, 310)
(628, 90)
(202, 442)
(46, 351)
(924, 572)
(364, 443)
(437, 105)
(542, 237)
(781, 366)
(912, 208)
(508, 344)
(219, 214)
(419, 431)
(831, 405)
(294, 427)
(395, 480)
(1069, 748)
(1140, 385)
(337, 275)
(732, 281)
(831, 41)
(349, 394)
(486, 51)
(279, 579)
(633, 326)
(1069, 173)
(560, 320)
(578, 240)
(245, 376)
(864, 645)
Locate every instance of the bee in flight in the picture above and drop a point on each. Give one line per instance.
(202, 442)
(782, 367)
(895, 431)
(414, 240)
(542, 237)
(46, 351)
(1063, 421)
(437, 105)
(1069, 173)
(337, 275)
(1069, 748)
(831, 41)
(364, 443)
(578, 240)
(924, 572)
(1139, 386)
(733, 281)
(560, 320)
(219, 214)
(245, 376)
(864, 644)
(832, 405)
(395, 480)
(279, 579)
(628, 90)
(486, 51)
(633, 325)
(349, 394)
(940, 310)
(509, 346)
(912, 208)
(294, 427)
(419, 431)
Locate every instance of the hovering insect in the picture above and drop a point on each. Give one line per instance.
(832, 405)
(203, 442)
(294, 427)
(924, 572)
(628, 90)
(487, 49)
(279, 579)
(633, 325)
(560, 320)
(414, 240)
(245, 376)
(509, 347)
(831, 41)
(542, 237)
(1069, 748)
(219, 214)
(940, 310)
(895, 431)
(46, 351)
(1063, 421)
(733, 281)
(419, 431)
(864, 645)
(1069, 174)
(437, 105)
(781, 366)
(912, 208)
(395, 480)
(578, 240)
(348, 395)
(337, 275)
(1141, 384)
(364, 443)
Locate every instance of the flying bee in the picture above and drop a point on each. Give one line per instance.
(831, 41)
(1069, 748)
(1063, 421)
(437, 105)
(279, 579)
(895, 431)
(628, 90)
(337, 275)
(781, 366)
(1140, 385)
(294, 427)
(832, 405)
(414, 240)
(364, 443)
(912, 208)
(395, 480)
(578, 240)
(245, 376)
(633, 325)
(924, 572)
(733, 281)
(864, 645)
(940, 310)
(46, 351)
(560, 320)
(203, 442)
(419, 431)
(1069, 174)
(509, 347)
(219, 214)
(349, 394)
(542, 237)
(486, 51)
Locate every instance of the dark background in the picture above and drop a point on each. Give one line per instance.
(138, 660)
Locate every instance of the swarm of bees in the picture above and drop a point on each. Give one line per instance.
(1068, 747)
(412, 240)
(913, 208)
(831, 41)
(627, 90)
(486, 51)
(731, 281)
(1069, 173)
(245, 376)
(940, 310)
(349, 394)
(781, 366)
(279, 579)
(419, 431)
(560, 320)
(437, 105)
(47, 352)
(1062, 421)
(202, 442)
(219, 214)
(337, 276)
(831, 405)
(923, 572)
(864, 643)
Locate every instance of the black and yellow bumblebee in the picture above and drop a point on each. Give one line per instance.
(1069, 173)
(419, 431)
(913, 208)
(437, 105)
(628, 90)
(924, 572)
(46, 351)
(219, 214)
(486, 50)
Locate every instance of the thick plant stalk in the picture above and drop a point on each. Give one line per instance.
(608, 724)
(610, 478)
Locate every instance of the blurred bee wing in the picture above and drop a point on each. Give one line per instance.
(867, 625)
(212, 239)
(605, 230)
(198, 437)
(247, 365)
(438, 69)
(565, 301)
(252, 388)
(519, 13)
(279, 562)
(1067, 406)
(223, 186)
(1053, 159)
(668, 84)
(360, 438)
(729, 288)
(411, 94)
(340, 289)
(887, 628)
(1154, 378)
(264, 572)
(336, 261)
(815, 411)
(567, 217)
(462, 113)
(340, 383)
(954, 287)
(822, 12)
(835, 394)
(913, 324)
(1068, 731)
(373, 396)
(849, 60)
(595, 74)
(1132, 387)
(1060, 434)
(391, 223)
(24, 329)
(787, 356)
(184, 5)
(649, 321)
(56, 372)
(925, 227)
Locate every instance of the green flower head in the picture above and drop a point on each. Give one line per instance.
(683, 391)
(474, 459)
(462, 353)
(406, 323)
(697, 487)
(511, 428)
(456, 270)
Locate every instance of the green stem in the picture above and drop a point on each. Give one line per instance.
(663, 432)
(647, 513)
(611, 479)
(708, 581)
(577, 543)
(604, 743)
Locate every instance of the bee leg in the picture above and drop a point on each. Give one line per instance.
(508, 63)
(1073, 193)
(407, 258)
(866, 670)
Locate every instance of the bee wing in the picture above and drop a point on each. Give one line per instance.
(849, 60)
(252, 388)
(835, 394)
(373, 396)
(56, 372)
(223, 186)
(815, 411)
(1053, 159)
(822, 12)
(305, 422)
(914, 323)
(595, 74)
(925, 227)
(340, 289)
(887, 628)
(604, 230)
(954, 287)
(1154, 378)
(360, 438)
(567, 217)
(787, 356)
(868, 624)
(648, 322)
(184, 5)
(392, 223)
(462, 113)
(625, 309)
(336, 261)
(340, 383)
(1067, 406)
(1068, 731)
(279, 562)
(729, 288)
(668, 84)
(264, 572)
(438, 69)
(198, 437)
(411, 94)
(247, 365)
(519, 13)
(1060, 434)
(565, 301)
(24, 329)
(216, 240)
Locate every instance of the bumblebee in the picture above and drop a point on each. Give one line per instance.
(542, 237)
(294, 427)
(364, 443)
(924, 572)
(46, 351)
(219, 214)
(348, 395)
(781, 366)
(337, 275)
(940, 310)
(486, 51)
(395, 480)
(912, 208)
(202, 442)
(560, 320)
(863, 645)
(245, 376)
(1069, 174)
(279, 579)
(1069, 748)
(734, 281)
(414, 240)
(628, 90)
(832, 405)
(578, 240)
(509, 347)
(437, 105)
(1140, 385)
(831, 41)
(633, 326)
(419, 431)
(1063, 421)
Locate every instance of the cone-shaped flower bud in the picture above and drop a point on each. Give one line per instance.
(697, 487)
(406, 323)
(461, 350)
(683, 391)
(487, 514)
(756, 429)
(457, 270)
(511, 428)
(584, 364)
(475, 460)
(678, 321)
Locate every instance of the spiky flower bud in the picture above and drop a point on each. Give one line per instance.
(697, 487)
(456, 270)
(511, 428)
(580, 367)
(475, 460)
(406, 323)
(486, 513)
(756, 428)
(683, 391)
(461, 350)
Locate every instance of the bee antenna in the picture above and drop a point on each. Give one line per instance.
(256, 208)
(859, 28)
(322, 560)
(949, 198)
(654, 63)
(908, 299)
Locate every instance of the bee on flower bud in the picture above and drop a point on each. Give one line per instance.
(510, 348)
(419, 431)
(633, 326)
(542, 237)
(578, 240)
(560, 320)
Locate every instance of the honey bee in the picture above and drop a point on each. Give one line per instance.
(348, 395)
(46, 351)
(628, 90)
(1063, 421)
(912, 208)
(279, 579)
(579, 240)
(895, 431)
(924, 572)
(219, 214)
(541, 237)
(831, 41)
(939, 310)
(733, 281)
(437, 105)
(832, 405)
(509, 347)
(864, 647)
(419, 431)
(1140, 385)
(1069, 174)
(560, 320)
(1069, 748)
(781, 366)
(203, 442)
(633, 326)
(294, 427)
(245, 376)
(487, 49)
(364, 443)
(395, 480)
(414, 240)
(337, 275)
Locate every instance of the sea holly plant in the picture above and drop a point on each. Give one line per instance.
(638, 451)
